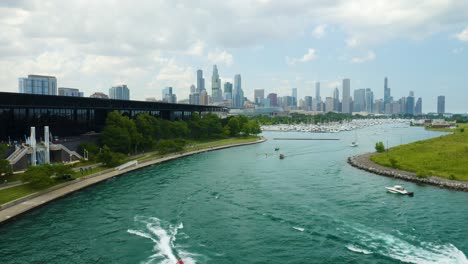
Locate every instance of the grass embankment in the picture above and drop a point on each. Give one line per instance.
(444, 156)
(16, 192)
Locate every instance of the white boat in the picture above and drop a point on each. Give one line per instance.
(354, 143)
(399, 189)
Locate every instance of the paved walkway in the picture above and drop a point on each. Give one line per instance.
(25, 204)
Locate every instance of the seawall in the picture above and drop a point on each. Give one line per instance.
(363, 162)
(22, 205)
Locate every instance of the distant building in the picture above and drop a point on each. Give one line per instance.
(259, 96)
(359, 100)
(200, 81)
(308, 100)
(387, 96)
(237, 93)
(120, 92)
(418, 107)
(69, 92)
(273, 99)
(328, 104)
(216, 92)
(294, 96)
(168, 96)
(369, 101)
(99, 95)
(317, 92)
(410, 104)
(204, 100)
(336, 99)
(151, 99)
(346, 101)
(38, 84)
(441, 104)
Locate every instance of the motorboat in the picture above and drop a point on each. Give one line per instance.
(399, 189)
(354, 144)
(281, 156)
(276, 149)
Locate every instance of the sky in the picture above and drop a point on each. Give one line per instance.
(420, 45)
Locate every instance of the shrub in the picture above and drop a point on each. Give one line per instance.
(379, 147)
(394, 163)
(422, 174)
(109, 158)
(462, 130)
(452, 177)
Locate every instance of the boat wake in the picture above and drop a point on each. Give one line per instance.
(404, 248)
(163, 234)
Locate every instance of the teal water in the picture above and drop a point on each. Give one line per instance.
(244, 205)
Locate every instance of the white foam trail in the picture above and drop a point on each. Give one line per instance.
(164, 239)
(299, 228)
(400, 249)
(354, 248)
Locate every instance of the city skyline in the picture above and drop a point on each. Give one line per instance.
(275, 46)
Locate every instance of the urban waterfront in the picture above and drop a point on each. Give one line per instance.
(245, 205)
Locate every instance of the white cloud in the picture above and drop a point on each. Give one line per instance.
(309, 56)
(370, 56)
(319, 31)
(197, 48)
(221, 57)
(352, 42)
(463, 36)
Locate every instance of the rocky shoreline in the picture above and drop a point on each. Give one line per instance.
(363, 162)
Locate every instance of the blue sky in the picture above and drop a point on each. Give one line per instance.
(420, 46)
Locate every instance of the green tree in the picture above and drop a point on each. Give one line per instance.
(120, 134)
(171, 145)
(39, 176)
(109, 158)
(234, 127)
(379, 146)
(3, 150)
(5, 167)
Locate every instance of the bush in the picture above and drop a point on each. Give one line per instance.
(171, 145)
(394, 163)
(379, 147)
(38, 176)
(452, 177)
(462, 130)
(109, 158)
(422, 174)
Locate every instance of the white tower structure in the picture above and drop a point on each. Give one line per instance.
(47, 145)
(33, 146)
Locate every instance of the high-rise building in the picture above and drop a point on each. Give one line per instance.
(336, 99)
(308, 103)
(418, 107)
(168, 96)
(38, 84)
(273, 99)
(369, 101)
(329, 104)
(317, 92)
(69, 92)
(359, 100)
(346, 101)
(441, 104)
(294, 96)
(200, 81)
(259, 96)
(216, 92)
(379, 106)
(410, 105)
(193, 89)
(228, 92)
(238, 93)
(120, 92)
(387, 95)
(204, 100)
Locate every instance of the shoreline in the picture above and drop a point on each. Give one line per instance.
(13, 209)
(363, 162)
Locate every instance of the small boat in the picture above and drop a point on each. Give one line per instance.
(281, 156)
(354, 144)
(276, 149)
(399, 189)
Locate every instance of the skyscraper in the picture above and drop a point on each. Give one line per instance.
(238, 93)
(168, 96)
(204, 97)
(216, 93)
(294, 96)
(359, 100)
(369, 101)
(336, 99)
(259, 96)
(200, 81)
(308, 103)
(38, 84)
(228, 91)
(346, 101)
(317, 92)
(273, 99)
(418, 107)
(410, 105)
(328, 104)
(387, 95)
(120, 92)
(441, 104)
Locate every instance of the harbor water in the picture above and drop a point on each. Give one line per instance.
(245, 205)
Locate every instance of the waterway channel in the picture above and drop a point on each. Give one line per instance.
(245, 205)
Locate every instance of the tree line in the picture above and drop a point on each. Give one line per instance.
(124, 136)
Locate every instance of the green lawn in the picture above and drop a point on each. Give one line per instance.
(444, 156)
(13, 193)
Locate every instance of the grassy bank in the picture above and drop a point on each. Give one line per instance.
(16, 192)
(444, 156)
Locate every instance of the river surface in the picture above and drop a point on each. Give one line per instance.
(245, 205)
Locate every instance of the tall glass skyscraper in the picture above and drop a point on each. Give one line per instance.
(216, 93)
(200, 81)
(38, 84)
(441, 104)
(237, 94)
(346, 101)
